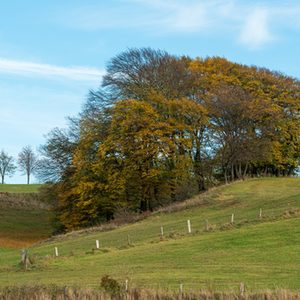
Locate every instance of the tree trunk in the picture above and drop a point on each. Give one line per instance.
(245, 171)
(2, 179)
(238, 171)
(198, 169)
(28, 178)
(225, 176)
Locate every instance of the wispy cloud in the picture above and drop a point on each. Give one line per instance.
(27, 68)
(252, 24)
(255, 31)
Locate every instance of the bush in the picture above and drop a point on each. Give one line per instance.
(110, 285)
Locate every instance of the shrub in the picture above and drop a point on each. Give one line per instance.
(110, 285)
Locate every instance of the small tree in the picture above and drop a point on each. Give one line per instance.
(28, 162)
(7, 166)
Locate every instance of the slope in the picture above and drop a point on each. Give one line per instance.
(262, 252)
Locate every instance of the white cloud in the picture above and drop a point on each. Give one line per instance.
(179, 16)
(27, 68)
(165, 16)
(252, 24)
(255, 31)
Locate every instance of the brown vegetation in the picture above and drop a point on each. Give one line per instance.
(60, 293)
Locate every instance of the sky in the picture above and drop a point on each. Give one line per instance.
(53, 52)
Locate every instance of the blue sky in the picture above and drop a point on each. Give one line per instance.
(53, 52)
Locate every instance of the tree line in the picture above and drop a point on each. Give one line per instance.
(161, 128)
(27, 162)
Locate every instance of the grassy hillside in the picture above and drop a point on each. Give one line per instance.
(263, 253)
(19, 188)
(24, 218)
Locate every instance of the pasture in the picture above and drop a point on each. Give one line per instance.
(262, 251)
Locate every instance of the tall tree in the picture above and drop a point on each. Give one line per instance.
(57, 153)
(136, 72)
(7, 166)
(163, 127)
(28, 162)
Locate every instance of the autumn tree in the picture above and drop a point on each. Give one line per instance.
(162, 128)
(236, 130)
(135, 73)
(7, 166)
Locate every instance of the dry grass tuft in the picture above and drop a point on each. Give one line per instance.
(21, 201)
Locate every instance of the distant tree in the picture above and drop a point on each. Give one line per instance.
(7, 166)
(28, 162)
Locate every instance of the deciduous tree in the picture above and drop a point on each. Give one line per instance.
(28, 162)
(7, 166)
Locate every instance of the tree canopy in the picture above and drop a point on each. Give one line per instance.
(162, 128)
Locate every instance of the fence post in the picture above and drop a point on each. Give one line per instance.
(56, 251)
(242, 289)
(25, 262)
(232, 219)
(260, 213)
(206, 225)
(97, 244)
(189, 226)
(126, 285)
(181, 288)
(162, 231)
(128, 240)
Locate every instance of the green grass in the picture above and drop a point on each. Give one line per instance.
(23, 227)
(19, 188)
(262, 253)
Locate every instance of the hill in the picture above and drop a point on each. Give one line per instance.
(263, 252)
(19, 188)
(24, 217)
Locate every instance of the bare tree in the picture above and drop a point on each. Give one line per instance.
(136, 72)
(28, 162)
(7, 166)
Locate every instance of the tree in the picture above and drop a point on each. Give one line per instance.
(7, 166)
(28, 162)
(57, 153)
(136, 72)
(162, 128)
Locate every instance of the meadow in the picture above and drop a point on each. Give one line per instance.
(24, 218)
(261, 251)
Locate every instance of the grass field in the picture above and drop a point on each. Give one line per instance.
(21, 228)
(24, 218)
(19, 188)
(262, 253)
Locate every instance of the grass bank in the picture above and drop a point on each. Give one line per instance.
(19, 188)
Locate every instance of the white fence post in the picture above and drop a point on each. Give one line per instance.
(97, 244)
(189, 226)
(162, 231)
(260, 213)
(56, 251)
